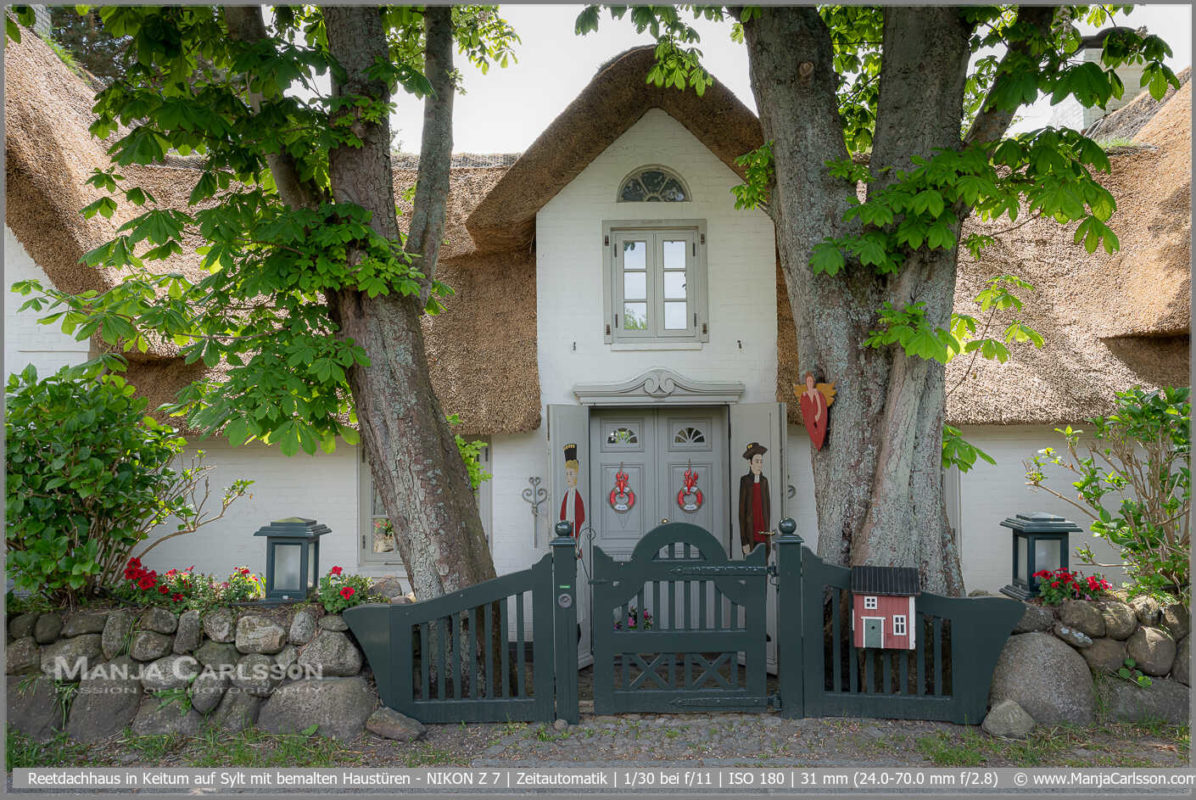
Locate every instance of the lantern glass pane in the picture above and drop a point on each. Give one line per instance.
(311, 565)
(287, 566)
(1021, 574)
(1047, 554)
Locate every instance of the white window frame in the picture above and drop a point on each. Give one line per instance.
(899, 628)
(870, 604)
(365, 553)
(655, 232)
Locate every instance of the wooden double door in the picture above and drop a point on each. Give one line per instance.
(649, 467)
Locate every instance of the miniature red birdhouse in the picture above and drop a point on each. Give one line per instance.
(882, 607)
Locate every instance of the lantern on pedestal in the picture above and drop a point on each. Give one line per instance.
(292, 557)
(1039, 543)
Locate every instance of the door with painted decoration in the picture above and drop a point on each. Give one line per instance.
(653, 466)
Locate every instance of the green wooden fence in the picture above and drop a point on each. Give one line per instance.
(483, 654)
(506, 649)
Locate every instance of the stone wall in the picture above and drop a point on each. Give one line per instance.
(1060, 666)
(282, 669)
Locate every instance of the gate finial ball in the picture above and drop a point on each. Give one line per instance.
(564, 528)
(787, 527)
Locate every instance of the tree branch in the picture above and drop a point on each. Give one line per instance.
(436, 149)
(245, 25)
(990, 123)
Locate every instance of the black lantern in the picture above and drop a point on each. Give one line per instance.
(292, 557)
(1039, 543)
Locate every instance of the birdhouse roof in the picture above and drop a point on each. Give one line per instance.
(885, 580)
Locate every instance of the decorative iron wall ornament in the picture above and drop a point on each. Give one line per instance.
(689, 496)
(622, 499)
(535, 495)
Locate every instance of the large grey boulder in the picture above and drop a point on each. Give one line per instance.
(257, 634)
(237, 711)
(256, 674)
(1105, 656)
(1177, 621)
(333, 622)
(22, 656)
(333, 654)
(189, 632)
(1152, 648)
(1045, 677)
(1163, 700)
(390, 724)
(1120, 619)
(339, 706)
(82, 622)
(217, 654)
(286, 656)
(1181, 669)
(389, 586)
(33, 707)
(1083, 616)
(116, 637)
(1147, 610)
(169, 672)
(157, 716)
(303, 627)
(105, 704)
(1008, 720)
(149, 645)
(22, 625)
(1035, 618)
(158, 620)
(208, 690)
(219, 625)
(60, 658)
(47, 628)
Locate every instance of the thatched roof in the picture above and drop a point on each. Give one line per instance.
(1110, 321)
(612, 102)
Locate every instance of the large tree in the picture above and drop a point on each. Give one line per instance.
(314, 294)
(914, 102)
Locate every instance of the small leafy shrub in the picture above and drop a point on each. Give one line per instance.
(1063, 584)
(241, 586)
(89, 475)
(339, 591)
(1134, 676)
(636, 620)
(1132, 478)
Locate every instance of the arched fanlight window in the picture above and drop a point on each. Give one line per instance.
(653, 185)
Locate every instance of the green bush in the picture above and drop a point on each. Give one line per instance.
(1139, 456)
(89, 475)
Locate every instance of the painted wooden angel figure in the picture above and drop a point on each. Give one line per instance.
(815, 402)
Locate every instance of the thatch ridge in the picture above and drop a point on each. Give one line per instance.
(613, 101)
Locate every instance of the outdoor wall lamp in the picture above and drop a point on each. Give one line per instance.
(1039, 543)
(292, 557)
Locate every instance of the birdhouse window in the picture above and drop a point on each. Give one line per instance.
(653, 185)
(870, 603)
(899, 625)
(655, 286)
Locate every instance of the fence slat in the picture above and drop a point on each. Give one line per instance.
(836, 666)
(887, 665)
(425, 661)
(903, 665)
(472, 625)
(520, 644)
(504, 675)
(442, 666)
(488, 665)
(938, 656)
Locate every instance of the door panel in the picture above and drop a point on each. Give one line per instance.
(623, 442)
(693, 443)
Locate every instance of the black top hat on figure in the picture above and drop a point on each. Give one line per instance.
(754, 449)
(570, 452)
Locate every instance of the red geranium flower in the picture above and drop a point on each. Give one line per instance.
(147, 582)
(244, 570)
(172, 572)
(335, 571)
(176, 597)
(134, 562)
(347, 592)
(163, 589)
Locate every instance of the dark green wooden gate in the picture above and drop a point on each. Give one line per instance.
(702, 645)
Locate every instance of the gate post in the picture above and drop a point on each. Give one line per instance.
(565, 630)
(790, 614)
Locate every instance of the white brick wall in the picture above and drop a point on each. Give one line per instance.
(25, 341)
